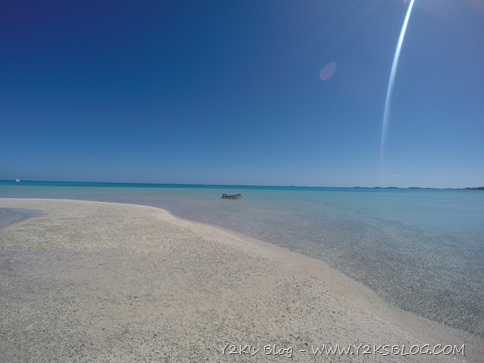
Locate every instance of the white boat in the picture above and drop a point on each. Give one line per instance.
(17, 180)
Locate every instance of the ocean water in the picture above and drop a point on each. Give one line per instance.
(421, 250)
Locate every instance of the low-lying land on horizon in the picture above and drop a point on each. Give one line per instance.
(154, 185)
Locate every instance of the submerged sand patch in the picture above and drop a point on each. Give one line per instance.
(103, 282)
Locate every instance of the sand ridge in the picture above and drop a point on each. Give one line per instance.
(104, 282)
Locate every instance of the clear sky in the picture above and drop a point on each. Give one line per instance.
(232, 92)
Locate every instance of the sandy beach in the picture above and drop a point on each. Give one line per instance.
(101, 282)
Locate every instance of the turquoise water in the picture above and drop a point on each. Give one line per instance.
(421, 250)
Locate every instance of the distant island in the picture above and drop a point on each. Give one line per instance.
(427, 188)
(154, 185)
(476, 188)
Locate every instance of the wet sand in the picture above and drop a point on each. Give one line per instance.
(91, 281)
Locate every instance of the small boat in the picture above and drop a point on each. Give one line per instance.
(231, 196)
(17, 180)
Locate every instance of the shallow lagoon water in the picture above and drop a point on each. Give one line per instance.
(420, 250)
(15, 215)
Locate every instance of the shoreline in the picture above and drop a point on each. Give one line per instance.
(243, 289)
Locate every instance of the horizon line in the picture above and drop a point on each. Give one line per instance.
(235, 185)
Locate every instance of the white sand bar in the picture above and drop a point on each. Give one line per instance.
(100, 282)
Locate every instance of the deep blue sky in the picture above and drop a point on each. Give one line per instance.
(228, 92)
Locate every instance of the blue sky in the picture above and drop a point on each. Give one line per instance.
(229, 92)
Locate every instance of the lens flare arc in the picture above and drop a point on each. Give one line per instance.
(391, 83)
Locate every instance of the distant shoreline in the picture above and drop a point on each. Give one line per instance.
(230, 186)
